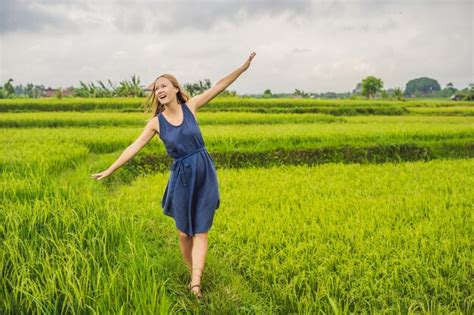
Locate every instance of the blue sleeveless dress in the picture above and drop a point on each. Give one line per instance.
(191, 195)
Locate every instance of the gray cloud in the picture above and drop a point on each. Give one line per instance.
(310, 45)
(140, 16)
(19, 15)
(195, 16)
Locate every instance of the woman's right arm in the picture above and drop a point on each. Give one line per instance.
(147, 134)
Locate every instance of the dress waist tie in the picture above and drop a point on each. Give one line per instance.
(179, 166)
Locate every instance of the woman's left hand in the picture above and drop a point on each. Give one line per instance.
(247, 63)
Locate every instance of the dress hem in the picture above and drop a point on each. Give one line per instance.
(199, 231)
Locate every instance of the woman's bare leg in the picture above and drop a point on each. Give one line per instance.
(186, 246)
(199, 253)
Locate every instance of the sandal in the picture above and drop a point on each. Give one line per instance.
(197, 293)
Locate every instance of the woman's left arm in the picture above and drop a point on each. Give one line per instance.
(200, 100)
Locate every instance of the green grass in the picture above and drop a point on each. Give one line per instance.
(329, 238)
(336, 107)
(106, 119)
(262, 137)
(367, 238)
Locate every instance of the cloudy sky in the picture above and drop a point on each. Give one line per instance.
(314, 45)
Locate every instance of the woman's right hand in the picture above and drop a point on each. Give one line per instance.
(101, 175)
(246, 65)
(147, 134)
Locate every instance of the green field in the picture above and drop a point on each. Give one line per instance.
(326, 207)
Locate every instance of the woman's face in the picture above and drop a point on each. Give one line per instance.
(165, 91)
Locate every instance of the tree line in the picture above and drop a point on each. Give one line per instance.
(124, 88)
(370, 87)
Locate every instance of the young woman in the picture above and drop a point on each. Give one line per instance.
(191, 195)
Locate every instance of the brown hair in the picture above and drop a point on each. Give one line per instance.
(152, 101)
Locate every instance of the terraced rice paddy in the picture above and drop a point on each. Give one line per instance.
(335, 207)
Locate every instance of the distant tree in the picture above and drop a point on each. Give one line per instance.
(329, 95)
(130, 88)
(449, 85)
(469, 95)
(29, 90)
(370, 86)
(384, 94)
(32, 91)
(357, 89)
(125, 88)
(398, 93)
(19, 90)
(227, 93)
(59, 93)
(301, 93)
(421, 87)
(466, 94)
(88, 90)
(105, 92)
(198, 87)
(267, 94)
(8, 91)
(82, 91)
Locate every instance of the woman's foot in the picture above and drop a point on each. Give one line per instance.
(195, 284)
(196, 290)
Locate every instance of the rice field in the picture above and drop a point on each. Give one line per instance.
(320, 213)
